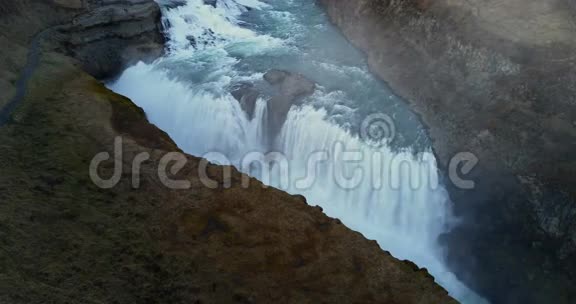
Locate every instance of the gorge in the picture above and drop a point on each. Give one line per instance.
(295, 103)
(212, 48)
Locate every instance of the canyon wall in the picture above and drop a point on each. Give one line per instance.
(65, 240)
(497, 79)
(103, 35)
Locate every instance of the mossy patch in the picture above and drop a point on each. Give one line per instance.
(130, 119)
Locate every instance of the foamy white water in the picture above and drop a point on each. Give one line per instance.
(395, 199)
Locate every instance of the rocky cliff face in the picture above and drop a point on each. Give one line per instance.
(113, 34)
(65, 240)
(495, 78)
(103, 35)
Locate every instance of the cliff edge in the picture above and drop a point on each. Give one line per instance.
(65, 240)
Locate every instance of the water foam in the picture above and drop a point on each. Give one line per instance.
(187, 95)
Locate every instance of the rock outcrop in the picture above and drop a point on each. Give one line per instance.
(65, 240)
(103, 35)
(288, 89)
(291, 87)
(246, 95)
(113, 34)
(498, 79)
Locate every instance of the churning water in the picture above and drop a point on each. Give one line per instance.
(388, 190)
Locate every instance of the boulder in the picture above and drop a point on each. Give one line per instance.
(247, 96)
(275, 77)
(296, 85)
(291, 84)
(292, 87)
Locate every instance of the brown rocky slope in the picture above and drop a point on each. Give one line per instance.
(64, 240)
(495, 78)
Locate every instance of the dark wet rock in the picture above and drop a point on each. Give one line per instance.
(211, 2)
(192, 40)
(278, 108)
(172, 3)
(275, 77)
(296, 86)
(104, 36)
(114, 35)
(247, 96)
(292, 87)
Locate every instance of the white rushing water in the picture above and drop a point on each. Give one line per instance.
(390, 193)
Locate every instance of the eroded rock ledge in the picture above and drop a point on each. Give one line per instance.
(495, 78)
(64, 240)
(103, 35)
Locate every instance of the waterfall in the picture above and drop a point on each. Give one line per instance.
(396, 198)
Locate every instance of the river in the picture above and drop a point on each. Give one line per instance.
(379, 176)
